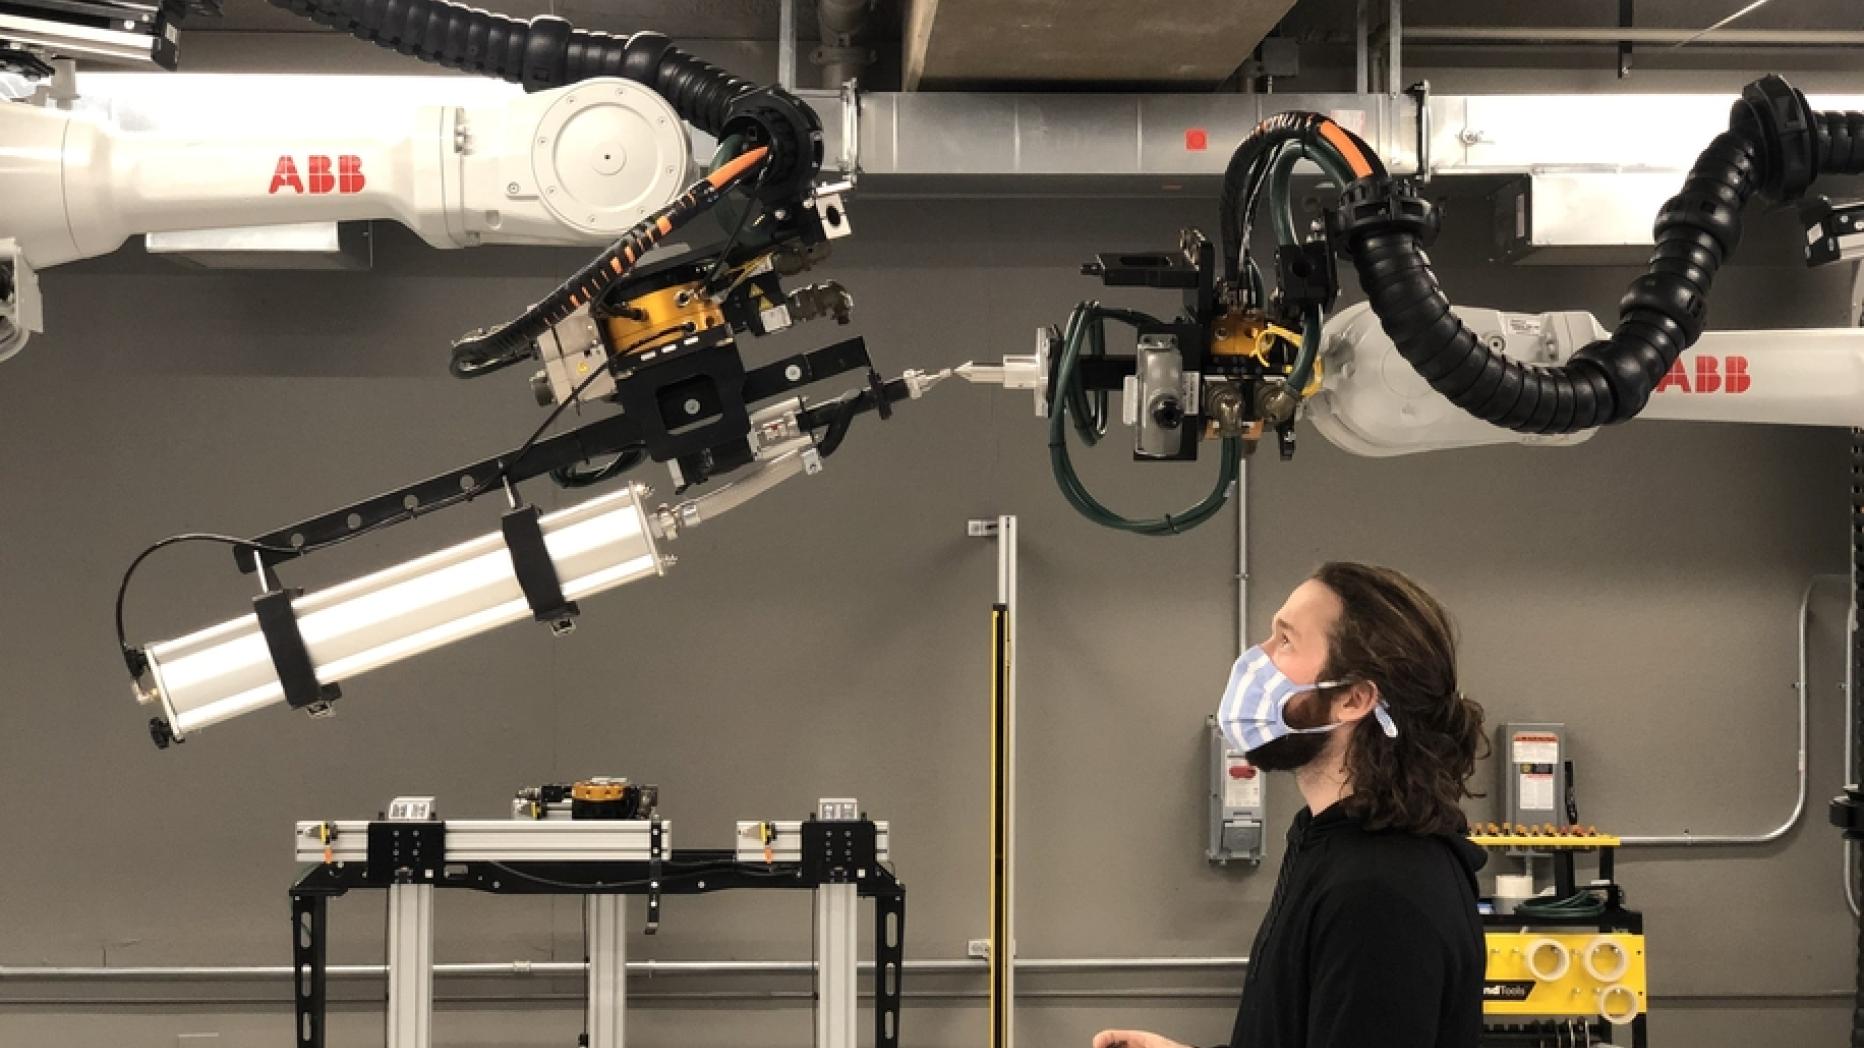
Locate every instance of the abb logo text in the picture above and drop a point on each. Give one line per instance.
(322, 174)
(1709, 375)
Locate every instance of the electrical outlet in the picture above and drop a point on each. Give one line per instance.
(979, 948)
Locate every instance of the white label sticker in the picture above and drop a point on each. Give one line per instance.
(411, 809)
(1536, 791)
(1522, 324)
(1534, 748)
(776, 318)
(1242, 793)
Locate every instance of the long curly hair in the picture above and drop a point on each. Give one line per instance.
(1396, 636)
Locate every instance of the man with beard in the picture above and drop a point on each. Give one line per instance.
(1372, 937)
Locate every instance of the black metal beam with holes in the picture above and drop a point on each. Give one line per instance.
(309, 920)
(605, 437)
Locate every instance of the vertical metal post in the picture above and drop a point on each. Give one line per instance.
(607, 918)
(410, 965)
(786, 44)
(1362, 53)
(1394, 45)
(1241, 498)
(1003, 793)
(837, 965)
(309, 915)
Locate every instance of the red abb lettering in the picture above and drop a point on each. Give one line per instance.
(1675, 378)
(344, 176)
(322, 181)
(1711, 374)
(349, 174)
(286, 174)
(1739, 381)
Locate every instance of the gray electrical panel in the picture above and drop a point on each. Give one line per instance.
(1236, 816)
(1532, 759)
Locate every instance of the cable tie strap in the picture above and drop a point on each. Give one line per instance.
(878, 387)
(278, 623)
(537, 575)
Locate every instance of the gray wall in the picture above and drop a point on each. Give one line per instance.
(832, 640)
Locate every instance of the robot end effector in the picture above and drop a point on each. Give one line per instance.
(20, 311)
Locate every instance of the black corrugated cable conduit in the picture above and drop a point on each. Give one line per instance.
(1236, 200)
(547, 52)
(1775, 147)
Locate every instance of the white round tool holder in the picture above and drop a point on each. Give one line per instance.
(1619, 1005)
(607, 153)
(1605, 960)
(1548, 960)
(1511, 889)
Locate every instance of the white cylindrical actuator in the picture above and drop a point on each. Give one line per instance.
(353, 627)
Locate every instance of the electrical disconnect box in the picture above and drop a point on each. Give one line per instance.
(1533, 768)
(1236, 817)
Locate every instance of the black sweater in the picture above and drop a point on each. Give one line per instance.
(1372, 939)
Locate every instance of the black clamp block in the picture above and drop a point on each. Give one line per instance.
(1847, 813)
(1833, 233)
(406, 852)
(163, 734)
(1784, 125)
(537, 575)
(278, 622)
(1305, 277)
(1373, 206)
(839, 852)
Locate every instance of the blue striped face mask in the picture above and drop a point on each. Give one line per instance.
(1254, 709)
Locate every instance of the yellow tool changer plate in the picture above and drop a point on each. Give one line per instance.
(1592, 974)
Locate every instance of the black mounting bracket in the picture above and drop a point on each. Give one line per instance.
(406, 852)
(839, 852)
(656, 854)
(537, 574)
(278, 622)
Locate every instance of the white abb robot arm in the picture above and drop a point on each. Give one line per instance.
(572, 165)
(598, 144)
(646, 340)
(1372, 402)
(1405, 371)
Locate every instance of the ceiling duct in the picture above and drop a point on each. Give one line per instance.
(950, 42)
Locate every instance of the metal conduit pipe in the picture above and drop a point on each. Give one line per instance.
(647, 969)
(1128, 993)
(841, 55)
(1609, 35)
(1710, 840)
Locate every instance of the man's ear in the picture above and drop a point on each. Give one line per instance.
(1353, 702)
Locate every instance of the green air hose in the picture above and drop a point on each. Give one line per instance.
(1086, 335)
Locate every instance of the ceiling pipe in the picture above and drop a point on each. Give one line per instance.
(1626, 35)
(841, 55)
